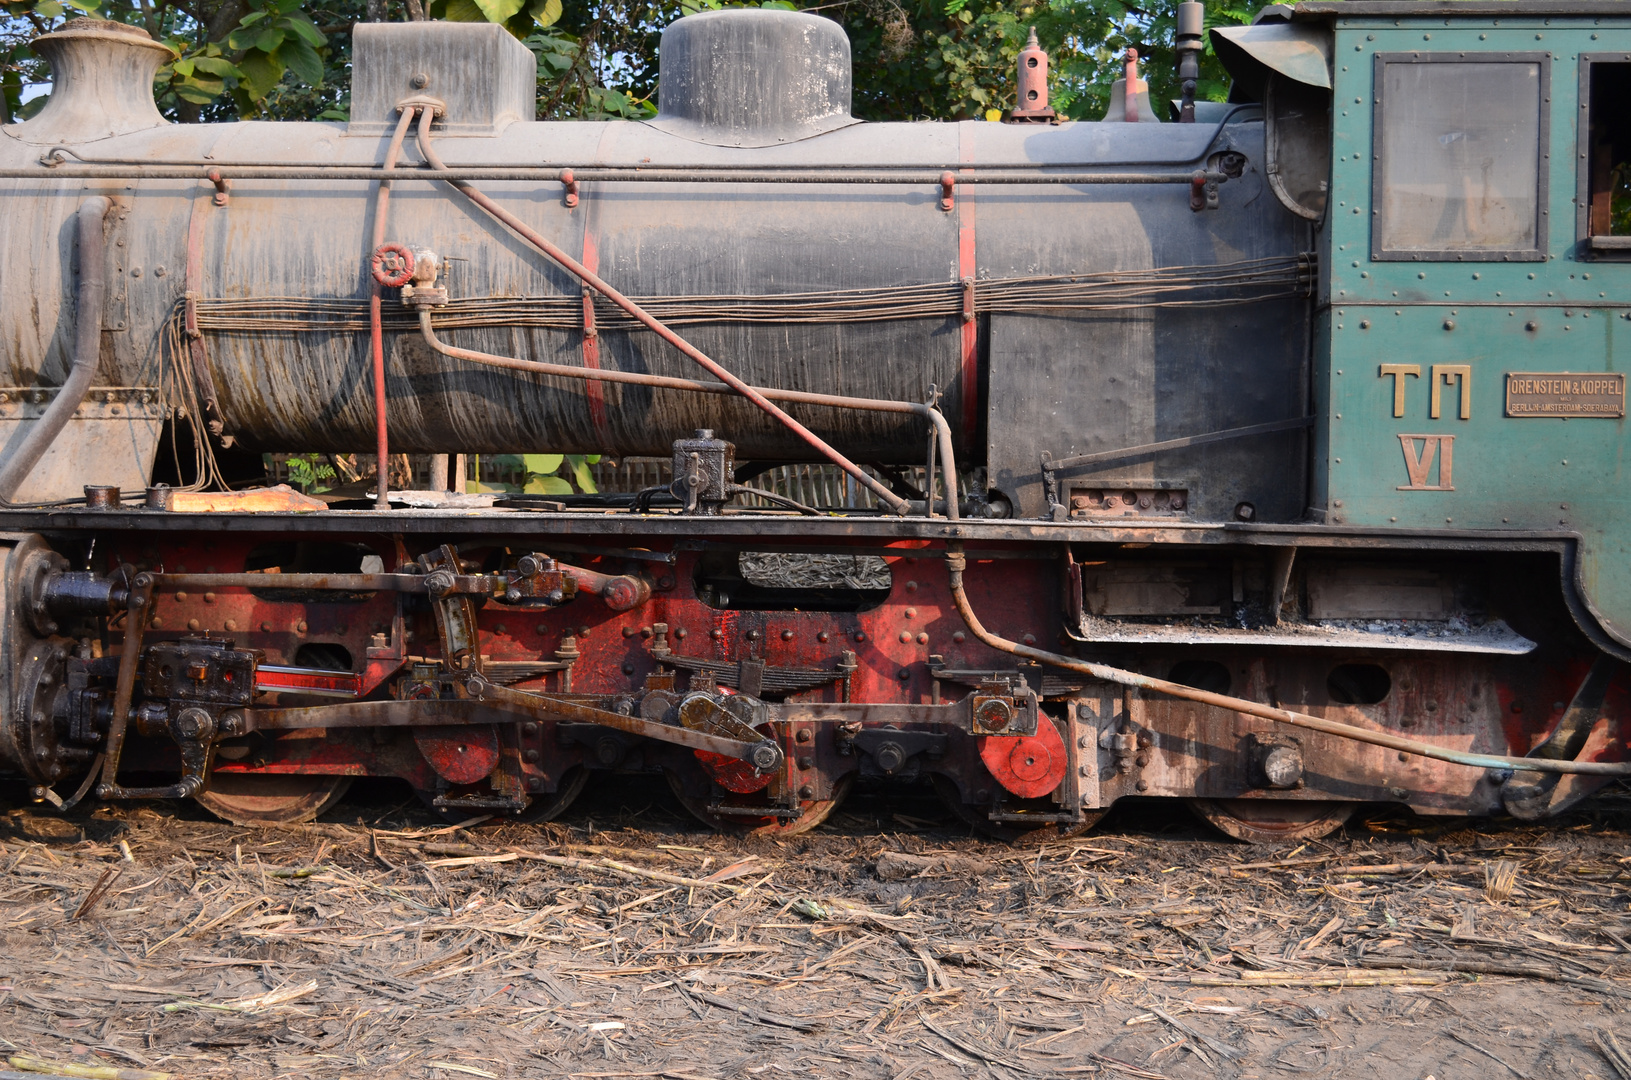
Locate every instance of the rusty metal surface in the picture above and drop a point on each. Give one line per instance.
(899, 717)
(482, 76)
(118, 427)
(715, 87)
(436, 405)
(102, 80)
(1264, 711)
(90, 247)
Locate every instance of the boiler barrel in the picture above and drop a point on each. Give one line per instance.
(839, 288)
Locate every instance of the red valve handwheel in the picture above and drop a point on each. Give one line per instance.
(398, 270)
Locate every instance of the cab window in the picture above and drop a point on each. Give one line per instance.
(1605, 155)
(1459, 172)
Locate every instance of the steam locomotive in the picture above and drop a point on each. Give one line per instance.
(1263, 454)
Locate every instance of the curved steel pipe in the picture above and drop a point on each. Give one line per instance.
(588, 277)
(376, 330)
(702, 386)
(89, 301)
(956, 564)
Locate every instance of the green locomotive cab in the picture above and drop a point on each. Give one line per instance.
(1473, 328)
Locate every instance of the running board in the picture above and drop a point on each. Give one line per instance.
(1494, 637)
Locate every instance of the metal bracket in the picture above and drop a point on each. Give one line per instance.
(751, 676)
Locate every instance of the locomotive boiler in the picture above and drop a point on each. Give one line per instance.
(1264, 456)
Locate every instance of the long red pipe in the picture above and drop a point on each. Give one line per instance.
(376, 329)
(588, 277)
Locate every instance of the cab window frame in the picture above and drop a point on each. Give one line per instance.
(1588, 246)
(1537, 253)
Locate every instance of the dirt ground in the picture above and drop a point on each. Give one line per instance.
(626, 940)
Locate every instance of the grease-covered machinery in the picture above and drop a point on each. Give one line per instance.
(1269, 455)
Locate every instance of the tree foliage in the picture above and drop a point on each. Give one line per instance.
(914, 59)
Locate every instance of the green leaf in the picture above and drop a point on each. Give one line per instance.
(216, 65)
(580, 473)
(498, 11)
(542, 464)
(261, 72)
(463, 11)
(270, 38)
(302, 60)
(196, 94)
(547, 485)
(206, 85)
(253, 17)
(183, 67)
(545, 12)
(48, 9)
(307, 29)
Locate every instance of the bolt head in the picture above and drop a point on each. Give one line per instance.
(993, 714)
(1283, 766)
(764, 757)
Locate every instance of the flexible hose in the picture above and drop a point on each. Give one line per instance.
(93, 291)
(956, 563)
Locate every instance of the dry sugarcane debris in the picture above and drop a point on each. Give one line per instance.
(623, 941)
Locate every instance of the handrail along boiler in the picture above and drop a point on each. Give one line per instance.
(1262, 454)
